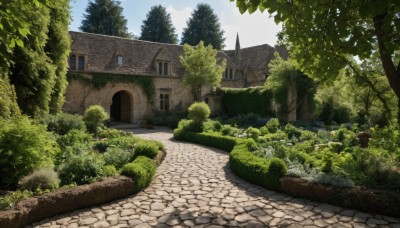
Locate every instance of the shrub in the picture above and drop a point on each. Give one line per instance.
(24, 147)
(9, 200)
(109, 171)
(95, 115)
(184, 126)
(146, 149)
(253, 133)
(101, 146)
(199, 112)
(80, 166)
(229, 130)
(292, 131)
(74, 136)
(40, 179)
(212, 125)
(63, 123)
(142, 169)
(273, 125)
(112, 133)
(124, 142)
(117, 157)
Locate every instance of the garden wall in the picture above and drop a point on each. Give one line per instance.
(65, 200)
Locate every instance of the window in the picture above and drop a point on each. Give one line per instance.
(164, 102)
(72, 62)
(81, 63)
(120, 60)
(229, 73)
(163, 68)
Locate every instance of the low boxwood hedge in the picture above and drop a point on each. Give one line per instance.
(142, 169)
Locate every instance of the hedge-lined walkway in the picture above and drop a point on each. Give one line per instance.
(195, 187)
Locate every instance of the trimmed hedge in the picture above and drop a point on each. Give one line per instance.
(147, 149)
(142, 169)
(225, 143)
(257, 100)
(261, 171)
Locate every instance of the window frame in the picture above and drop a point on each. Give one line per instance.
(163, 68)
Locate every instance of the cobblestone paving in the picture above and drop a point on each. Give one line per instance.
(194, 187)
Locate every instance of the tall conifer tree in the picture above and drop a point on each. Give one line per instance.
(105, 17)
(203, 25)
(158, 26)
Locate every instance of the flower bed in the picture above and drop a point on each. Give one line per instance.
(60, 201)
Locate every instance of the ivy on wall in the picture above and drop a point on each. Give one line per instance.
(257, 100)
(99, 80)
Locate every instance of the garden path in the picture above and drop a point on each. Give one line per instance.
(194, 186)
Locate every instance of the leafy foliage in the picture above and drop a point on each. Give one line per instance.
(203, 26)
(201, 67)
(63, 122)
(146, 149)
(24, 147)
(105, 17)
(256, 100)
(158, 26)
(95, 115)
(142, 169)
(321, 36)
(9, 200)
(40, 179)
(117, 156)
(199, 112)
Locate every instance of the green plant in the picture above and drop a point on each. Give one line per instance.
(9, 200)
(142, 169)
(253, 133)
(117, 157)
(80, 165)
(273, 125)
(109, 171)
(146, 149)
(101, 146)
(111, 133)
(74, 136)
(199, 112)
(292, 131)
(212, 125)
(63, 122)
(24, 147)
(40, 179)
(95, 115)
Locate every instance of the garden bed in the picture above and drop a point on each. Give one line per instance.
(270, 172)
(60, 201)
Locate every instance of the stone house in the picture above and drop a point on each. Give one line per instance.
(124, 66)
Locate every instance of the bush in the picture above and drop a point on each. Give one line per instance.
(112, 133)
(101, 146)
(212, 125)
(253, 133)
(24, 147)
(124, 142)
(258, 170)
(9, 200)
(63, 122)
(73, 137)
(40, 179)
(273, 125)
(109, 171)
(117, 157)
(94, 116)
(146, 149)
(142, 169)
(184, 126)
(199, 112)
(80, 166)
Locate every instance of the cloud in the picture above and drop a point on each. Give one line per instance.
(179, 18)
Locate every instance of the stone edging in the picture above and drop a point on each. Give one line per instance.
(65, 200)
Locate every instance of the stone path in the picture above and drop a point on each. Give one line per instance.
(195, 187)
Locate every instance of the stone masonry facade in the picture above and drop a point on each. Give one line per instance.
(127, 102)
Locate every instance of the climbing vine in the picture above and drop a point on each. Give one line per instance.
(99, 80)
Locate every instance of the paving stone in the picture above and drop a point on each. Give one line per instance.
(87, 221)
(376, 221)
(244, 217)
(202, 220)
(157, 206)
(101, 224)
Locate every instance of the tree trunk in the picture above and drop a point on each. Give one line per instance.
(392, 74)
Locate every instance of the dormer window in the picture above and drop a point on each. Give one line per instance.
(229, 74)
(120, 59)
(77, 62)
(163, 68)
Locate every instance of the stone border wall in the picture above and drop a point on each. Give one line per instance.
(61, 201)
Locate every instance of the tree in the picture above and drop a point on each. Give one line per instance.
(158, 26)
(201, 67)
(323, 35)
(105, 17)
(95, 115)
(203, 26)
(39, 68)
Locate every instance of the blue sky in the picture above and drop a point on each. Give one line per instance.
(255, 29)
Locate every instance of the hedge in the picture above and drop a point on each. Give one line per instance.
(142, 169)
(256, 100)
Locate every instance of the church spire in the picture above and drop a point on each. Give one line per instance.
(238, 56)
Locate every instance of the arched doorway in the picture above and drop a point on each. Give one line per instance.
(121, 106)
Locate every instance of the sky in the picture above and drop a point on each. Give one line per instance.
(255, 29)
